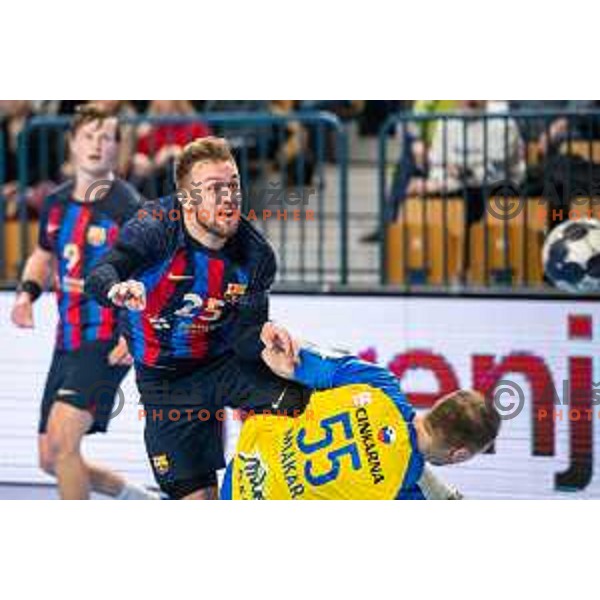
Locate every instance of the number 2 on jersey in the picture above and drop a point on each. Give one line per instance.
(335, 456)
(71, 255)
(193, 304)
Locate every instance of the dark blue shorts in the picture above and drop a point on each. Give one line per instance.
(84, 379)
(184, 415)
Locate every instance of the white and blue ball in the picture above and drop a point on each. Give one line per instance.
(571, 256)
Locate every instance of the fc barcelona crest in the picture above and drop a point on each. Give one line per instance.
(161, 464)
(235, 291)
(96, 236)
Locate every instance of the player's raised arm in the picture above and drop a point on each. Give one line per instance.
(318, 369)
(140, 243)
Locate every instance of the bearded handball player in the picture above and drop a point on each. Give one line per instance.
(77, 227)
(195, 276)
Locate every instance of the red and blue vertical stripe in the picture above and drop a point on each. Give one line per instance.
(100, 320)
(73, 231)
(192, 340)
(159, 292)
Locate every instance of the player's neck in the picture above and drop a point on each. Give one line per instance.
(200, 234)
(90, 188)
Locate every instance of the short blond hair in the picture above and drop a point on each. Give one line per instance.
(464, 418)
(212, 149)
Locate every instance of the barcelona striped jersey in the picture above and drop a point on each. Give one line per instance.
(199, 301)
(190, 304)
(79, 234)
(356, 439)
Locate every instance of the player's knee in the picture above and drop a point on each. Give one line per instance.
(66, 427)
(46, 461)
(63, 449)
(63, 443)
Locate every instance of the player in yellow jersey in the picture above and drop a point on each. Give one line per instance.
(358, 438)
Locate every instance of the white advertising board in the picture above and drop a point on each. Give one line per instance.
(546, 448)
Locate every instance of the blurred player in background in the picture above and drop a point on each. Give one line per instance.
(358, 438)
(195, 277)
(79, 223)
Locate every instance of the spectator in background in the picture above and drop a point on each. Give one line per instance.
(41, 170)
(471, 156)
(552, 129)
(159, 144)
(55, 107)
(416, 140)
(546, 134)
(534, 129)
(375, 113)
(559, 169)
(468, 155)
(290, 145)
(343, 109)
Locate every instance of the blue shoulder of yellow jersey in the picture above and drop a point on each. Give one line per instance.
(413, 493)
(321, 371)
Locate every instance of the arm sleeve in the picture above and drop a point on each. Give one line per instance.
(320, 371)
(434, 488)
(413, 493)
(253, 311)
(117, 265)
(141, 243)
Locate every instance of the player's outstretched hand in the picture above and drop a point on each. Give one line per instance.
(130, 294)
(281, 350)
(119, 355)
(277, 338)
(22, 311)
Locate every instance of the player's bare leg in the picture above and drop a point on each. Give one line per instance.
(101, 479)
(104, 481)
(107, 482)
(66, 427)
(210, 493)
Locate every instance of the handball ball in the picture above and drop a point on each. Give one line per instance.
(571, 256)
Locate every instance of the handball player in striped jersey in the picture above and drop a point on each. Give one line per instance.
(195, 276)
(79, 222)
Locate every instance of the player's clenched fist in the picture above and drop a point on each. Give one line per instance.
(281, 350)
(22, 311)
(277, 338)
(129, 294)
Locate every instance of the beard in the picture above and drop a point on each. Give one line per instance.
(219, 226)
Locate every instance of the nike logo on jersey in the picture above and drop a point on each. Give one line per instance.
(275, 405)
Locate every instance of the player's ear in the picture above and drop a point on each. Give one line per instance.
(459, 455)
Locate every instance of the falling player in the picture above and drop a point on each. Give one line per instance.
(358, 438)
(79, 223)
(194, 276)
